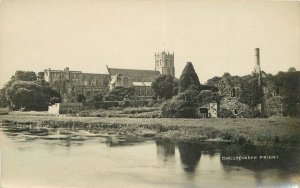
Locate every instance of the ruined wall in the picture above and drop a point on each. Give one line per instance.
(237, 108)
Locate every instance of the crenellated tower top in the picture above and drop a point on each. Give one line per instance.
(164, 62)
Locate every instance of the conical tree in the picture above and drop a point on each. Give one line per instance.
(189, 79)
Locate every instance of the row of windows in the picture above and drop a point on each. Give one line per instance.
(143, 91)
(86, 93)
(73, 76)
(167, 63)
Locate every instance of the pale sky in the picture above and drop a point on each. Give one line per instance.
(216, 36)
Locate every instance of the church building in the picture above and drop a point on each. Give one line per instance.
(70, 84)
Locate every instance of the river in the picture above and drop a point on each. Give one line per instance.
(77, 158)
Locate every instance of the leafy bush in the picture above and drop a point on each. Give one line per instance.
(188, 95)
(225, 113)
(207, 96)
(119, 94)
(179, 109)
(250, 113)
(163, 86)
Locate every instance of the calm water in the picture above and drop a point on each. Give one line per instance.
(69, 158)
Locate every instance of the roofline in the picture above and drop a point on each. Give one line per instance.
(133, 69)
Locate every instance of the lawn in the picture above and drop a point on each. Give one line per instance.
(267, 131)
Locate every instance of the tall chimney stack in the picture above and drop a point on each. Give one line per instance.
(257, 56)
(258, 72)
(257, 67)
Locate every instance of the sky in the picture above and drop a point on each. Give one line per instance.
(86, 35)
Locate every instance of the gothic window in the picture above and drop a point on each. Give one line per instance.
(276, 92)
(233, 92)
(235, 112)
(137, 91)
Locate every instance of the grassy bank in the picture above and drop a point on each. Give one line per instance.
(271, 131)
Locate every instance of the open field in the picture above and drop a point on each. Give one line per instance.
(269, 131)
(4, 111)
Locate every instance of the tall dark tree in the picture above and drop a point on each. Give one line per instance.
(289, 84)
(189, 79)
(163, 86)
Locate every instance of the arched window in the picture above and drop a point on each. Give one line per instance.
(235, 112)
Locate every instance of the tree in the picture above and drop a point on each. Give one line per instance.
(28, 95)
(23, 90)
(119, 94)
(214, 81)
(163, 86)
(25, 75)
(189, 78)
(184, 105)
(288, 83)
(3, 100)
(208, 96)
(292, 69)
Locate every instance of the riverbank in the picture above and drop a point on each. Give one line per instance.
(267, 132)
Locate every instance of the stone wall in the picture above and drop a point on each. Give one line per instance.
(65, 108)
(273, 106)
(237, 108)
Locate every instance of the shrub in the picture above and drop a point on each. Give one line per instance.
(250, 113)
(119, 94)
(179, 109)
(163, 86)
(225, 113)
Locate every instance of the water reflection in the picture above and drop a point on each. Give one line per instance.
(165, 150)
(141, 161)
(283, 162)
(190, 155)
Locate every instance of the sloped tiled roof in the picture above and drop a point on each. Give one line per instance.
(133, 72)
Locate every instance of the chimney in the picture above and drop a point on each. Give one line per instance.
(257, 67)
(257, 56)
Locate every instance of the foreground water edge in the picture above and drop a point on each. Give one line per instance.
(267, 131)
(73, 157)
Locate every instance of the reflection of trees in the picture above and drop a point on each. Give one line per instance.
(190, 155)
(288, 161)
(165, 150)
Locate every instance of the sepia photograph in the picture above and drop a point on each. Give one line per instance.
(149, 94)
